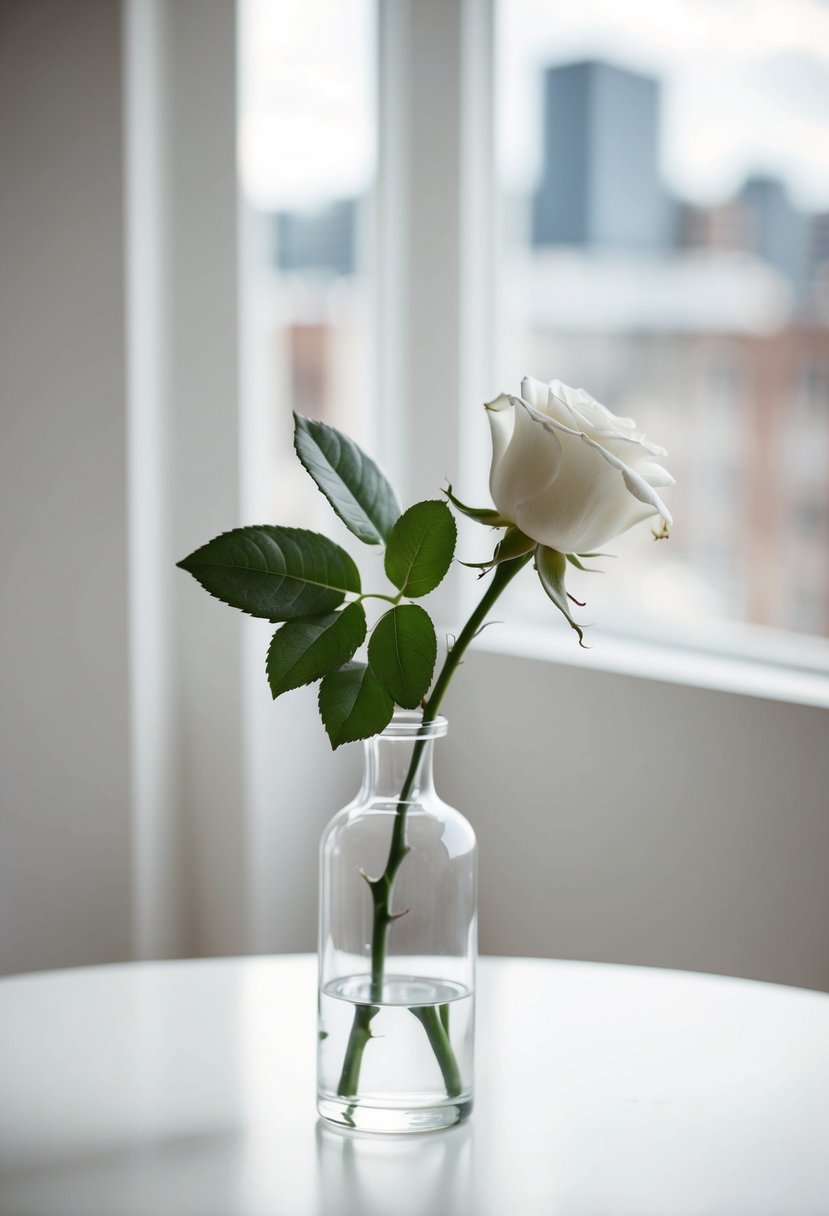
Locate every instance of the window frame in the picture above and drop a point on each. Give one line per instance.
(214, 803)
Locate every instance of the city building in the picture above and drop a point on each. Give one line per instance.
(600, 183)
(324, 240)
(708, 324)
(776, 229)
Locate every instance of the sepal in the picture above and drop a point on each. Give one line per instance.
(552, 566)
(487, 516)
(574, 561)
(513, 544)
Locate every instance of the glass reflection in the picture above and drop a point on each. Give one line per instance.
(364, 1172)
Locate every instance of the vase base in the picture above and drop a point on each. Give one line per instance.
(393, 1120)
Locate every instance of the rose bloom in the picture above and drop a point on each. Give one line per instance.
(568, 472)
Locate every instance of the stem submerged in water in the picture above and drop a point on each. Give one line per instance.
(360, 1035)
(441, 1046)
(381, 888)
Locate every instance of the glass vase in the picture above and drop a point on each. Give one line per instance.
(397, 945)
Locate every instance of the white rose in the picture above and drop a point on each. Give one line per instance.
(569, 473)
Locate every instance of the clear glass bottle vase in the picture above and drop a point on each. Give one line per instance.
(397, 945)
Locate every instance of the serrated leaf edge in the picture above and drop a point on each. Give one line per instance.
(305, 621)
(394, 613)
(380, 537)
(342, 591)
(404, 589)
(357, 738)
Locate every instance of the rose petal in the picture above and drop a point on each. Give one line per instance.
(500, 415)
(534, 392)
(569, 472)
(634, 482)
(586, 506)
(527, 466)
(654, 474)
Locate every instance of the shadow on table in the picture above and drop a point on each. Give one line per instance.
(181, 1174)
(407, 1174)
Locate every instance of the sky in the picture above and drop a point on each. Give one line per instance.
(307, 71)
(745, 87)
(745, 84)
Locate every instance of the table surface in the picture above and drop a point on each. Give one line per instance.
(181, 1088)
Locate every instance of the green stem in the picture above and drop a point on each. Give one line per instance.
(359, 1036)
(375, 595)
(441, 1046)
(381, 888)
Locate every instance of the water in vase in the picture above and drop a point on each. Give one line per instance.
(404, 1082)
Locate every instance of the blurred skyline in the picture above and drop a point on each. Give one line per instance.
(696, 301)
(745, 85)
(745, 88)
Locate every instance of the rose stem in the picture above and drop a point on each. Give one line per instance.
(381, 888)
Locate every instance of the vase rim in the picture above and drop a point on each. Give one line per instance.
(408, 724)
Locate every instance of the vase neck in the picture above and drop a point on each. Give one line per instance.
(387, 763)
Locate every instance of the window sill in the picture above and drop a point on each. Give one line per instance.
(671, 664)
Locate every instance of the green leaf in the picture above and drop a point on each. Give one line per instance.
(277, 573)
(349, 479)
(304, 651)
(353, 704)
(481, 515)
(402, 653)
(420, 548)
(513, 544)
(551, 566)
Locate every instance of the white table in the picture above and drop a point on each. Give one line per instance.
(182, 1088)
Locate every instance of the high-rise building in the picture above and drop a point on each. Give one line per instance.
(720, 228)
(777, 230)
(323, 240)
(600, 184)
(819, 241)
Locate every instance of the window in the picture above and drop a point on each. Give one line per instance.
(308, 337)
(307, 163)
(662, 183)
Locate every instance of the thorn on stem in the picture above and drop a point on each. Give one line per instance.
(372, 882)
(485, 625)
